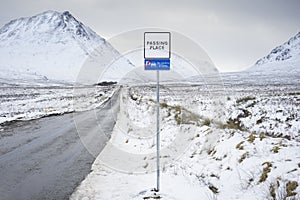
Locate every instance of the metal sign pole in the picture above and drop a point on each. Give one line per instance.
(158, 131)
(157, 54)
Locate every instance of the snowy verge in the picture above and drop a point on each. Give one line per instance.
(31, 102)
(223, 157)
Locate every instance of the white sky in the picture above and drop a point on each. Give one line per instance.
(234, 33)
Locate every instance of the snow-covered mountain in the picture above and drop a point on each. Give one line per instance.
(285, 57)
(51, 45)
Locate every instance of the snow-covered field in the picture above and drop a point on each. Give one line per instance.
(239, 143)
(31, 102)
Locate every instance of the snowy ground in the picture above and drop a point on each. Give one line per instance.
(240, 143)
(27, 102)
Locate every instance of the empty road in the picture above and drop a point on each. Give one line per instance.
(46, 158)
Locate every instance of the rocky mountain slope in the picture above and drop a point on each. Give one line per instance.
(284, 58)
(50, 46)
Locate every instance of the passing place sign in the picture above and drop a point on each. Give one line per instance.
(157, 45)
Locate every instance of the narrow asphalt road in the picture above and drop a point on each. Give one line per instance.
(46, 158)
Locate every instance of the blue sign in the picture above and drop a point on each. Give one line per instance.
(159, 64)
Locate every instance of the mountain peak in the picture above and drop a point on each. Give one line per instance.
(52, 44)
(286, 51)
(48, 22)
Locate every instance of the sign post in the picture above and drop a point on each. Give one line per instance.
(157, 46)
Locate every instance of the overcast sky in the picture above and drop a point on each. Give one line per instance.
(234, 33)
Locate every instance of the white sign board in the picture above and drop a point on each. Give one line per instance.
(157, 45)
